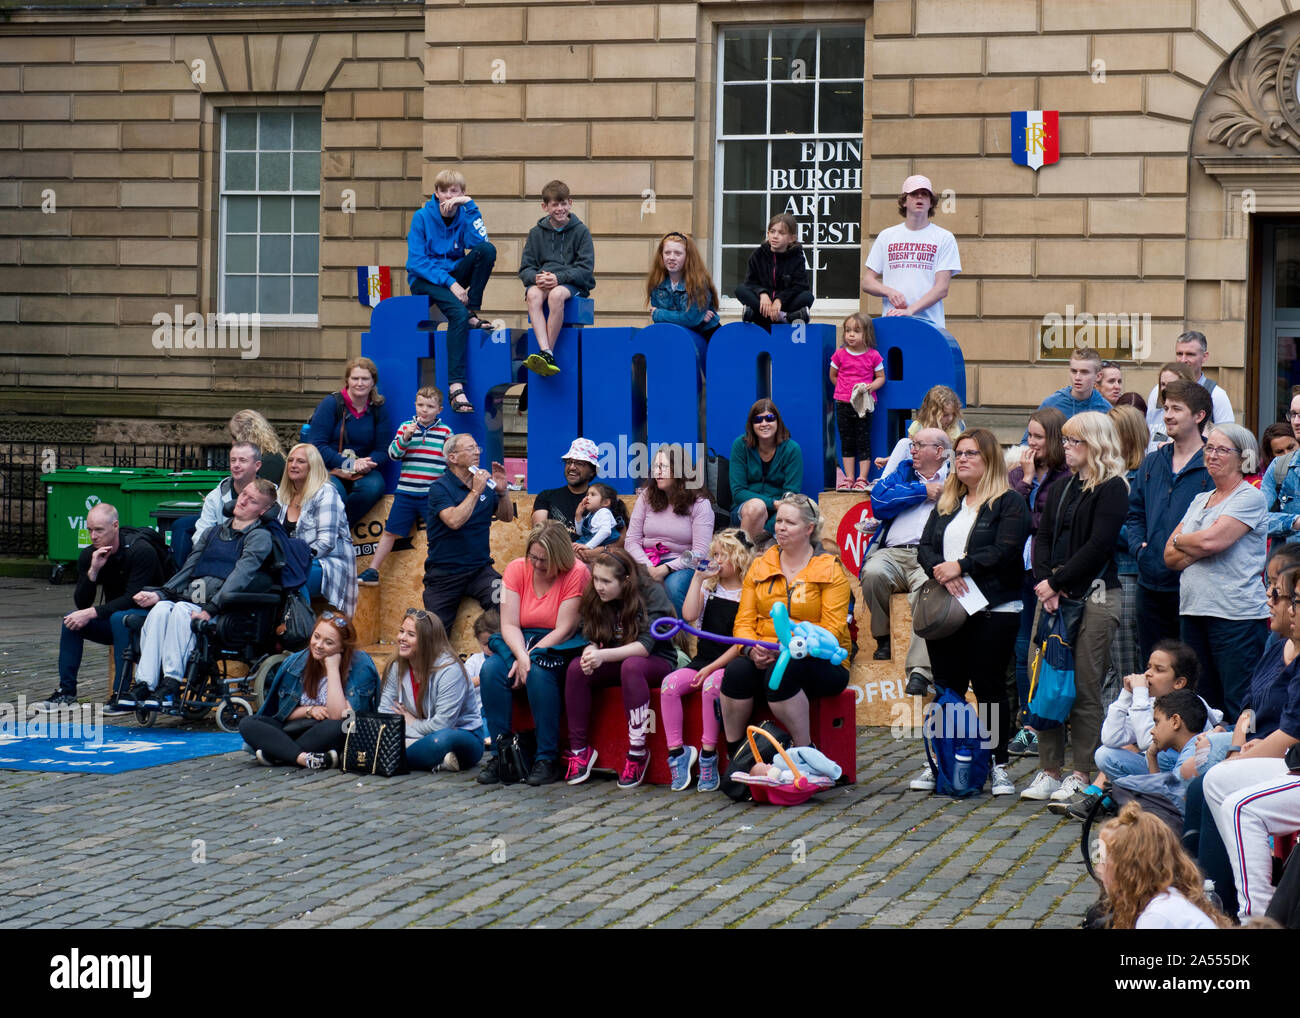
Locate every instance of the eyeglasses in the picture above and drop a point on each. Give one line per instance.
(1070, 442)
(416, 613)
(1273, 595)
(966, 454)
(926, 445)
(1293, 415)
(539, 560)
(764, 418)
(1220, 450)
(341, 621)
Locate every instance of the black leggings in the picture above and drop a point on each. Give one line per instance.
(282, 741)
(743, 680)
(855, 433)
(977, 656)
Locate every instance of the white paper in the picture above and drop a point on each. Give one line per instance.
(973, 600)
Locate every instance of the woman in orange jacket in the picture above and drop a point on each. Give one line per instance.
(814, 587)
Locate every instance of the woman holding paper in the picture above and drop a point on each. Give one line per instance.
(973, 544)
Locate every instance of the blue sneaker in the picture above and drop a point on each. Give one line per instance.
(680, 768)
(1023, 743)
(369, 578)
(709, 778)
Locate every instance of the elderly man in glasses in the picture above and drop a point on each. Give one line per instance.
(903, 500)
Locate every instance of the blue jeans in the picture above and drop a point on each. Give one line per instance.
(315, 578)
(471, 272)
(677, 583)
(1211, 853)
(72, 642)
(1229, 650)
(359, 496)
(1118, 763)
(545, 690)
(427, 753)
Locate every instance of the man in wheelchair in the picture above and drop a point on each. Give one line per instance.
(232, 559)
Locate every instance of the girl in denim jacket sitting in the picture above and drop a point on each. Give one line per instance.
(678, 287)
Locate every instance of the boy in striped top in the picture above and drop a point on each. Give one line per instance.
(418, 446)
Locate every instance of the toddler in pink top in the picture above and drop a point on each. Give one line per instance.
(858, 371)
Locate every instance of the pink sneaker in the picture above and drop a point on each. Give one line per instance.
(634, 771)
(580, 765)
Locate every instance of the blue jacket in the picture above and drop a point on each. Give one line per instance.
(367, 435)
(1068, 405)
(675, 307)
(1156, 505)
(893, 494)
(1286, 498)
(361, 687)
(433, 245)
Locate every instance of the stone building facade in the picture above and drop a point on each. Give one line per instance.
(1178, 168)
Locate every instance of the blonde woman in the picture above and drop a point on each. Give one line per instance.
(712, 600)
(251, 427)
(976, 535)
(940, 408)
(314, 513)
(1074, 557)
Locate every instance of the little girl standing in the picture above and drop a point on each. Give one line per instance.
(856, 363)
(711, 600)
(597, 520)
(678, 287)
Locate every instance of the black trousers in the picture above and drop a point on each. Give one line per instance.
(977, 656)
(443, 589)
(282, 741)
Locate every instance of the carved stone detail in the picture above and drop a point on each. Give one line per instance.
(1253, 86)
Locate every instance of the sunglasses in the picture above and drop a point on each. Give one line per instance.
(416, 613)
(340, 620)
(764, 418)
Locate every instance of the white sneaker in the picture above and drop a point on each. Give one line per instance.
(1072, 784)
(450, 762)
(924, 780)
(1041, 788)
(1002, 784)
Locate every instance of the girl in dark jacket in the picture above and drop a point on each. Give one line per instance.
(975, 538)
(1074, 557)
(776, 287)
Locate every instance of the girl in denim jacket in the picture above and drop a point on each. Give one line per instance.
(678, 287)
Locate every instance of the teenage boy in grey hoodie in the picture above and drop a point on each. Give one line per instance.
(558, 262)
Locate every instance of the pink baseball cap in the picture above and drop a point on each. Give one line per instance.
(916, 182)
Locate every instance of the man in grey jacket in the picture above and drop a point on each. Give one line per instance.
(558, 262)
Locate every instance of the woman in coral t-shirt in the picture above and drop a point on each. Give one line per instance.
(539, 625)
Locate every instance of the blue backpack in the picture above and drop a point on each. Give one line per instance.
(951, 726)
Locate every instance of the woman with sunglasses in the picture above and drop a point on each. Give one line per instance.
(976, 535)
(301, 720)
(765, 462)
(1219, 548)
(813, 586)
(1074, 557)
(427, 685)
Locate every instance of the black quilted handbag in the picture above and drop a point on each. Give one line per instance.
(375, 744)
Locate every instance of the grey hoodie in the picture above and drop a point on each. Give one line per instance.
(568, 253)
(455, 702)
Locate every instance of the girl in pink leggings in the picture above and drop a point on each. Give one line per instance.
(711, 603)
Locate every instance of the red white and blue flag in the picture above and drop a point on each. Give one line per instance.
(1035, 138)
(374, 283)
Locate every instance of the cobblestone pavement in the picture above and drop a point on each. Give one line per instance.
(287, 848)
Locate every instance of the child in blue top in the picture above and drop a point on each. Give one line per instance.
(601, 517)
(1180, 720)
(449, 260)
(678, 287)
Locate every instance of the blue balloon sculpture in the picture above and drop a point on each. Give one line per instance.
(801, 640)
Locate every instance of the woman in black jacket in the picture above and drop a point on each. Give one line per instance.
(976, 538)
(1074, 557)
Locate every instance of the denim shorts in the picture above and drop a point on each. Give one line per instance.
(406, 509)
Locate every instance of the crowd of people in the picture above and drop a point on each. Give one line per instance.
(1145, 523)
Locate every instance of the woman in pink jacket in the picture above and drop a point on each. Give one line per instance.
(668, 519)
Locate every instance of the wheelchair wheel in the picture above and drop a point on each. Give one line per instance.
(145, 716)
(262, 677)
(232, 711)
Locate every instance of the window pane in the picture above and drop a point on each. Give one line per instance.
(275, 215)
(304, 295)
(840, 275)
(743, 109)
(743, 220)
(241, 294)
(1287, 274)
(842, 53)
(274, 250)
(792, 109)
(273, 172)
(306, 215)
(275, 131)
(273, 295)
(306, 131)
(735, 263)
(744, 55)
(306, 169)
(841, 218)
(840, 111)
(241, 131)
(241, 254)
(744, 165)
(790, 45)
(241, 215)
(305, 253)
(241, 170)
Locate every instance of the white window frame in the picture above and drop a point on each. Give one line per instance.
(267, 320)
(824, 306)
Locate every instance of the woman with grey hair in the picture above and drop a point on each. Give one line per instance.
(1220, 548)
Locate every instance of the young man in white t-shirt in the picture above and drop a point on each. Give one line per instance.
(911, 264)
(1191, 348)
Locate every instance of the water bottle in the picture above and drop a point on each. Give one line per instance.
(699, 563)
(1213, 895)
(961, 770)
